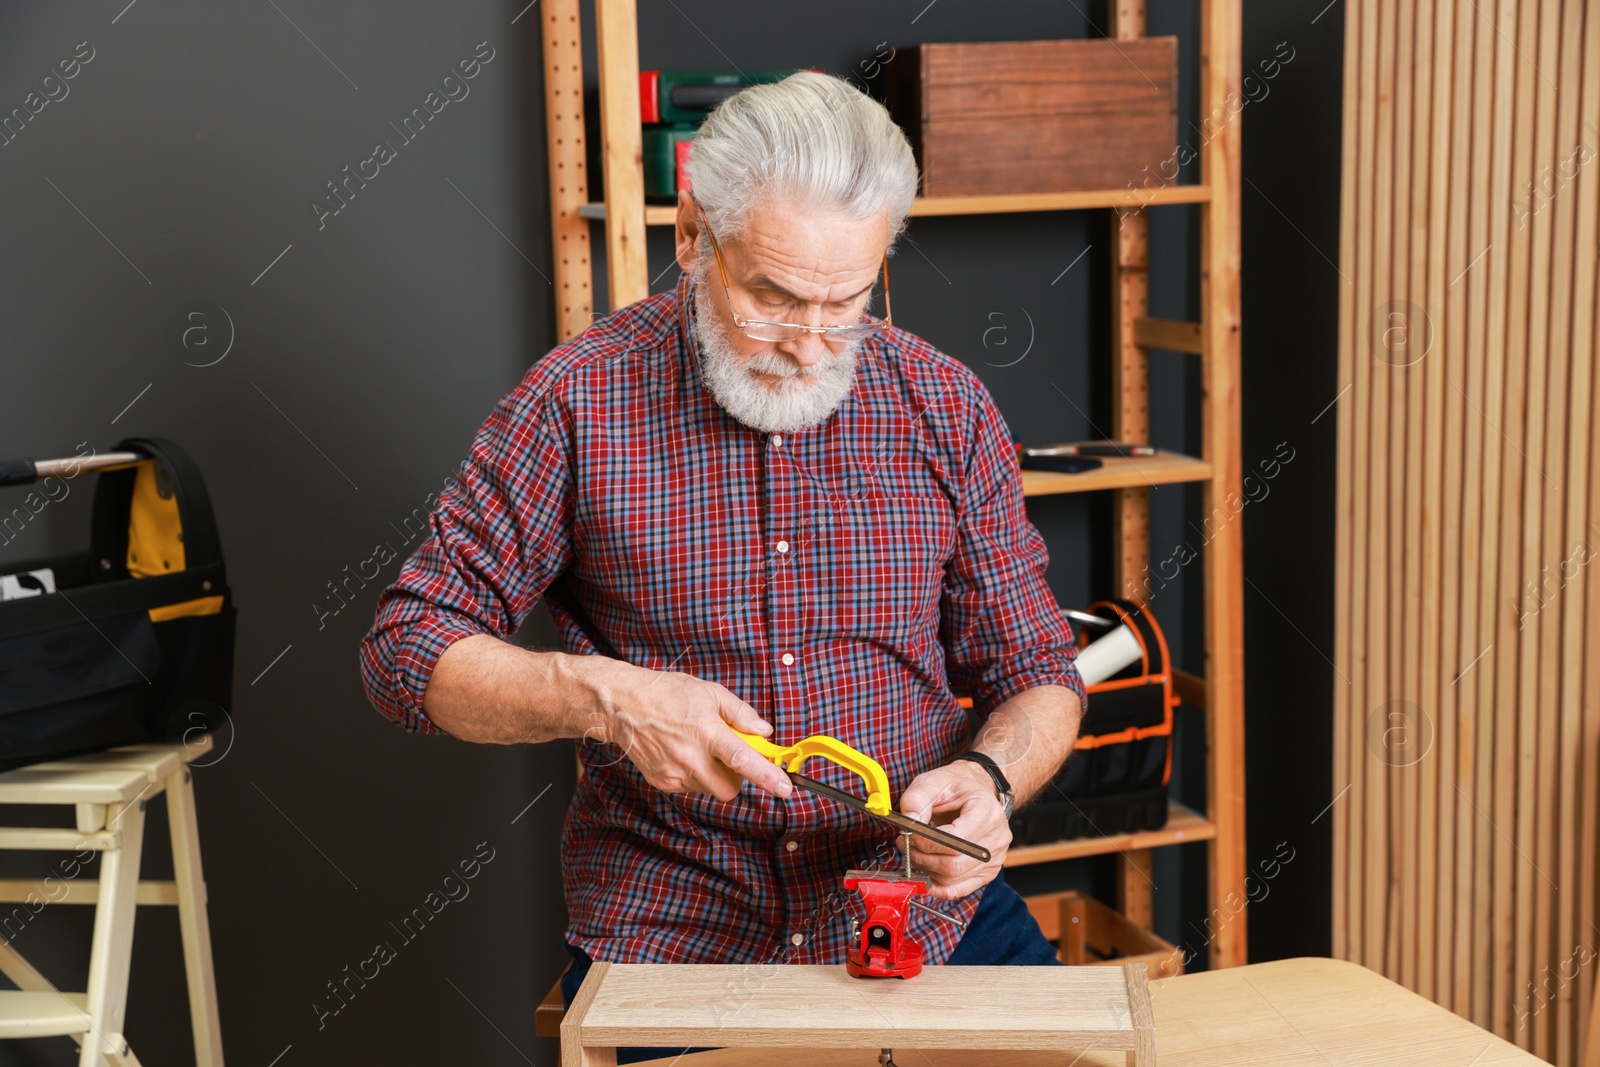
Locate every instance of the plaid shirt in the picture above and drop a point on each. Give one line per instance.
(843, 579)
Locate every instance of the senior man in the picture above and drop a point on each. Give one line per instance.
(752, 505)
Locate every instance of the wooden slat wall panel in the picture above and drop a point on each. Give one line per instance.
(1402, 431)
(1582, 637)
(1468, 510)
(1453, 737)
(1381, 875)
(1420, 832)
(1493, 52)
(1456, 733)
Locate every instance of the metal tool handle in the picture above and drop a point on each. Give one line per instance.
(25, 471)
(915, 903)
(1097, 622)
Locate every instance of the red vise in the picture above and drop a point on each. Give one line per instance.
(880, 946)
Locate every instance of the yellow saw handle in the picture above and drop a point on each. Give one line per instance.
(794, 757)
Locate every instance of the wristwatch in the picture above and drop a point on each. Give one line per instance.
(1008, 799)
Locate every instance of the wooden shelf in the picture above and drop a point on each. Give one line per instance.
(666, 214)
(1163, 468)
(1183, 825)
(1079, 201)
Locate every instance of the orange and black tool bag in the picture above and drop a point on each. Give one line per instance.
(1115, 780)
(131, 640)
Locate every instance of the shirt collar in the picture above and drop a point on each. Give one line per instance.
(686, 341)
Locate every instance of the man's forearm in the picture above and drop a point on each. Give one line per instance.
(1031, 735)
(485, 690)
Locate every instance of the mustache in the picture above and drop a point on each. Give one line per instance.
(781, 366)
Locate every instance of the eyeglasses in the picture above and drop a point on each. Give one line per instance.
(758, 330)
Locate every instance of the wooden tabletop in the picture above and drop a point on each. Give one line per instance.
(1306, 1012)
(818, 1006)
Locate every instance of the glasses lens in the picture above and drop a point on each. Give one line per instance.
(777, 331)
(771, 331)
(859, 332)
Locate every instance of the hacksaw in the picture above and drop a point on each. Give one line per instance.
(877, 804)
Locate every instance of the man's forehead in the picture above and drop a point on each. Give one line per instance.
(786, 247)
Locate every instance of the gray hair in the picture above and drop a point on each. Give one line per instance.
(811, 138)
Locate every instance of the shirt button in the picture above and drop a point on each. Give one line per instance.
(788, 658)
(797, 939)
(777, 440)
(791, 845)
(783, 546)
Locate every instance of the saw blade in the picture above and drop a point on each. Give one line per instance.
(921, 829)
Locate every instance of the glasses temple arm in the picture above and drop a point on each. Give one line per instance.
(715, 250)
(888, 315)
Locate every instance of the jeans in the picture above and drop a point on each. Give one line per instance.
(1001, 933)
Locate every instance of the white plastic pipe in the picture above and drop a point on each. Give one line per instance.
(1103, 658)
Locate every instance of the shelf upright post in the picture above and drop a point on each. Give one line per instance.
(1130, 383)
(1220, 107)
(569, 179)
(617, 48)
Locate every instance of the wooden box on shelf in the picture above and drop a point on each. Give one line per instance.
(1089, 932)
(1037, 116)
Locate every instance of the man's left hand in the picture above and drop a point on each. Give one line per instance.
(960, 798)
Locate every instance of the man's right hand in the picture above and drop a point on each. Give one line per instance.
(679, 731)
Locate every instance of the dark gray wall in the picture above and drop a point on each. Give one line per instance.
(1291, 288)
(367, 346)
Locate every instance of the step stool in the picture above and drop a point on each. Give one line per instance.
(109, 791)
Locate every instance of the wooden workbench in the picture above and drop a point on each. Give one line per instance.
(1289, 1013)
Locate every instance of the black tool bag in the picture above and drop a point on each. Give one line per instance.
(136, 642)
(1115, 780)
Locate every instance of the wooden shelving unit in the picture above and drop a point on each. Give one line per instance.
(1214, 341)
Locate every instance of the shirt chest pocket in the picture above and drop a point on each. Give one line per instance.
(880, 565)
(669, 571)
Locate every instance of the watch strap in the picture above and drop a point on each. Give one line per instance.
(1001, 785)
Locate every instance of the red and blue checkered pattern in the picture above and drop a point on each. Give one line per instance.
(612, 484)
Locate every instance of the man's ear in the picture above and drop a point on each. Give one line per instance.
(688, 226)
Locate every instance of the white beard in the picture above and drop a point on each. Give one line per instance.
(806, 397)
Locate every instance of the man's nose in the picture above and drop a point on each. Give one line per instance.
(806, 350)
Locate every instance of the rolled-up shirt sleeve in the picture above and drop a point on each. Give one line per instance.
(1001, 627)
(498, 537)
